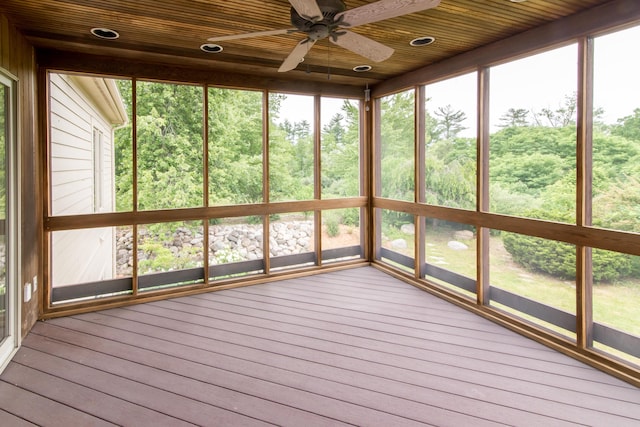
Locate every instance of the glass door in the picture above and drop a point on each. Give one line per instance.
(8, 283)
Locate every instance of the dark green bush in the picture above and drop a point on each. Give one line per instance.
(558, 259)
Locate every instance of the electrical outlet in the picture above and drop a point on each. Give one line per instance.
(27, 292)
(35, 284)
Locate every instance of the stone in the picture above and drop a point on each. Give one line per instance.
(399, 244)
(457, 246)
(408, 229)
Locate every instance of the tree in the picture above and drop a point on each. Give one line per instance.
(235, 146)
(340, 163)
(514, 117)
(169, 145)
(562, 116)
(628, 126)
(449, 124)
(397, 145)
(529, 174)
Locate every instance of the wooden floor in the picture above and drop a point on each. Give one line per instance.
(352, 347)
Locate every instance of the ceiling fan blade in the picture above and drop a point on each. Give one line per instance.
(308, 9)
(383, 9)
(297, 55)
(256, 34)
(363, 46)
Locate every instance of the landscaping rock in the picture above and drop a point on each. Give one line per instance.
(235, 242)
(399, 244)
(457, 246)
(408, 229)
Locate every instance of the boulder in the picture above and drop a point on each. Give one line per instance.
(399, 244)
(457, 246)
(408, 229)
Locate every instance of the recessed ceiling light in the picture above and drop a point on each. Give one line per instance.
(517, 1)
(362, 68)
(105, 33)
(422, 41)
(211, 48)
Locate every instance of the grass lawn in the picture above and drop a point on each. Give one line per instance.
(614, 304)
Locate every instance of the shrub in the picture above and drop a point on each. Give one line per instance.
(333, 226)
(558, 259)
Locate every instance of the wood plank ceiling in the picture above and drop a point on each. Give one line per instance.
(172, 31)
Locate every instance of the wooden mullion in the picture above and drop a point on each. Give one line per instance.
(317, 170)
(134, 179)
(420, 177)
(205, 180)
(45, 128)
(482, 188)
(265, 179)
(376, 185)
(365, 166)
(584, 166)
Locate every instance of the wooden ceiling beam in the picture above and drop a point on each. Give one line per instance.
(126, 67)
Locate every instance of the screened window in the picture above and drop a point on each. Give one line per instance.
(291, 147)
(397, 136)
(450, 142)
(532, 164)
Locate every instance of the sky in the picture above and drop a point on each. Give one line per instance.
(533, 83)
(297, 108)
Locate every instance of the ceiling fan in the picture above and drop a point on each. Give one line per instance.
(320, 19)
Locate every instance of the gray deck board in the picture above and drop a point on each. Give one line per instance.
(354, 347)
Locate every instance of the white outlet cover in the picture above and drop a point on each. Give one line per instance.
(27, 292)
(35, 284)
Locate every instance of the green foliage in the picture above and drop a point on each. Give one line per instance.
(525, 140)
(397, 146)
(514, 117)
(235, 146)
(450, 173)
(169, 147)
(546, 256)
(340, 154)
(527, 174)
(332, 226)
(159, 258)
(226, 255)
(291, 159)
(559, 259)
(619, 206)
(532, 164)
(628, 127)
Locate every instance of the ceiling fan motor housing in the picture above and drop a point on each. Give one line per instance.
(319, 29)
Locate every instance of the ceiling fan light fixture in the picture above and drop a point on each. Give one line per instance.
(362, 68)
(105, 33)
(422, 41)
(211, 48)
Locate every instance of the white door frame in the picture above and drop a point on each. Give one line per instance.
(11, 343)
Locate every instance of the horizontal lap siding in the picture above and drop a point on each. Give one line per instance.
(71, 126)
(85, 255)
(82, 256)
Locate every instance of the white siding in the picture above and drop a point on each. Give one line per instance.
(84, 255)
